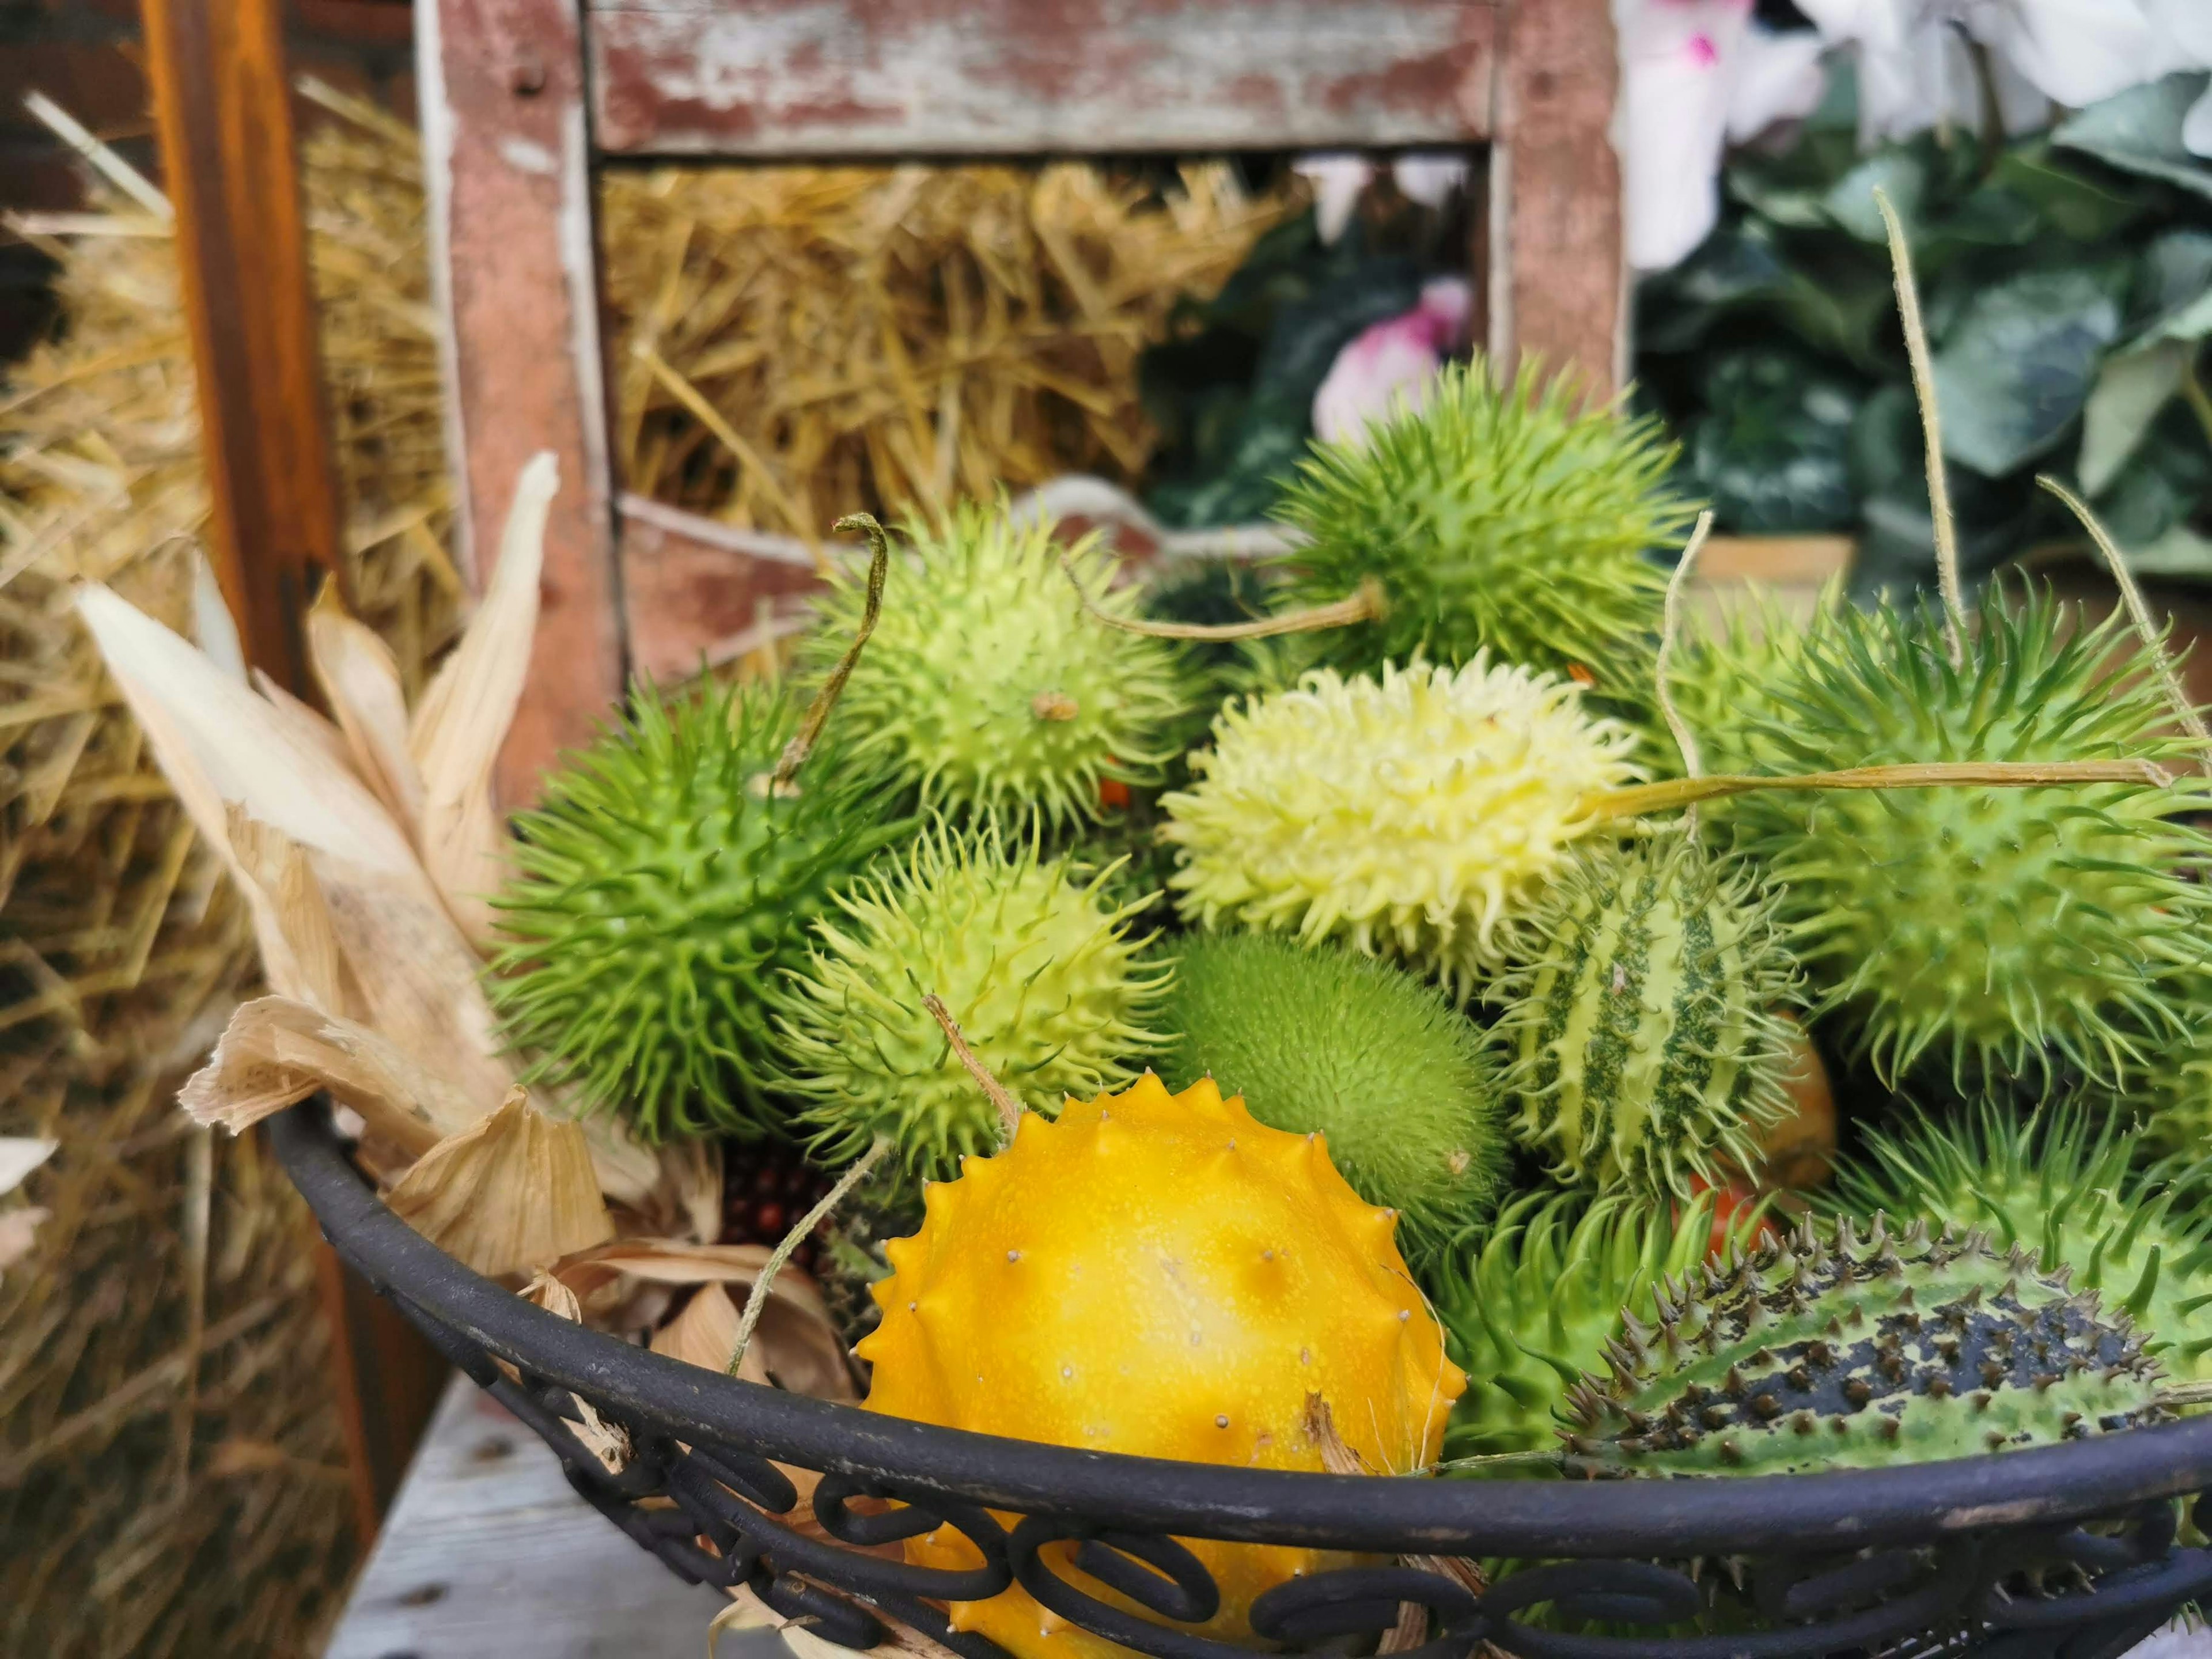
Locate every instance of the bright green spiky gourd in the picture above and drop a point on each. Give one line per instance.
(1641, 1043)
(1834, 1350)
(661, 892)
(1396, 1078)
(1724, 674)
(1514, 518)
(1048, 986)
(1536, 1305)
(2062, 1185)
(987, 688)
(1983, 928)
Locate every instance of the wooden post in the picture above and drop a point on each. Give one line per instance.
(222, 105)
(1558, 279)
(514, 261)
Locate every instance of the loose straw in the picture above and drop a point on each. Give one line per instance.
(1367, 604)
(1931, 426)
(756, 1301)
(2154, 645)
(802, 741)
(1010, 1110)
(1685, 739)
(1646, 797)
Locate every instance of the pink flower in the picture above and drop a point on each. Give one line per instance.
(1391, 365)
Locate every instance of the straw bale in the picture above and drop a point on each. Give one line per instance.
(151, 1505)
(796, 344)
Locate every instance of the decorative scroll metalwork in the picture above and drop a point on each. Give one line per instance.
(2075, 1551)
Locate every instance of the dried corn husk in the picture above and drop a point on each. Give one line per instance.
(796, 1339)
(607, 1442)
(19, 1230)
(512, 1192)
(360, 681)
(277, 1052)
(19, 1155)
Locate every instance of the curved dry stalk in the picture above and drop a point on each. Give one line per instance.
(1641, 799)
(2192, 716)
(1685, 739)
(757, 1298)
(818, 712)
(1931, 428)
(1010, 1110)
(1366, 604)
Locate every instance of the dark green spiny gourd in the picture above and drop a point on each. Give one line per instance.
(1535, 1304)
(661, 891)
(1641, 1036)
(1985, 929)
(1515, 517)
(1380, 1062)
(2064, 1186)
(1840, 1348)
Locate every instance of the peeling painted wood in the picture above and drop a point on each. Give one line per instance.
(695, 591)
(1558, 281)
(894, 77)
(515, 260)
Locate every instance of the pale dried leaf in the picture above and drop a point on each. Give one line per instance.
(276, 1052)
(607, 1442)
(19, 1155)
(217, 744)
(796, 1338)
(512, 1192)
(629, 1171)
(359, 679)
(706, 1335)
(307, 724)
(276, 863)
(550, 1294)
(213, 626)
(19, 1230)
(465, 714)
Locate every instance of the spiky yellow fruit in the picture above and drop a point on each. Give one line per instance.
(1420, 816)
(1165, 1276)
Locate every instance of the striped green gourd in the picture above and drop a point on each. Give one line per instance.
(1641, 1038)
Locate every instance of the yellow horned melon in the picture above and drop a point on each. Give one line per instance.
(1161, 1275)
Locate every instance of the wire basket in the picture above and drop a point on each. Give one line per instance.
(2070, 1552)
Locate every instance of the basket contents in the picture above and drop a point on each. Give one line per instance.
(1505, 1030)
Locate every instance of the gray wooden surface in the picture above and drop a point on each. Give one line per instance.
(487, 1552)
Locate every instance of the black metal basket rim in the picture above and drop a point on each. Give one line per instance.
(1843, 1510)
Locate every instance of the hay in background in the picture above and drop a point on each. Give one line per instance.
(151, 1505)
(795, 343)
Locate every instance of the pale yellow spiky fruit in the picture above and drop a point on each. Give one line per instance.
(1161, 1275)
(1420, 816)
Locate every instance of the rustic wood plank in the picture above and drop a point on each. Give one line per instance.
(223, 111)
(897, 77)
(515, 257)
(1558, 283)
(695, 591)
(489, 1551)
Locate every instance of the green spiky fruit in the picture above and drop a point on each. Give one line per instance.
(1983, 928)
(1724, 676)
(1832, 1350)
(853, 1258)
(1396, 1078)
(660, 894)
(987, 687)
(1534, 1306)
(1642, 1042)
(1050, 990)
(2064, 1186)
(1515, 518)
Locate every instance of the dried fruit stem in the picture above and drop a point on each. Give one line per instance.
(818, 712)
(2186, 1393)
(2153, 645)
(1931, 426)
(1646, 797)
(1686, 740)
(1366, 604)
(757, 1298)
(1010, 1110)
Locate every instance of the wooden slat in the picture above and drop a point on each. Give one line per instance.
(902, 77)
(514, 257)
(224, 114)
(695, 591)
(1559, 285)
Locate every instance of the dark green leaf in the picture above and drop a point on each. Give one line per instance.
(1772, 449)
(2139, 132)
(2074, 203)
(2015, 371)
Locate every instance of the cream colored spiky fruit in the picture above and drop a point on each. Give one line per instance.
(1161, 1275)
